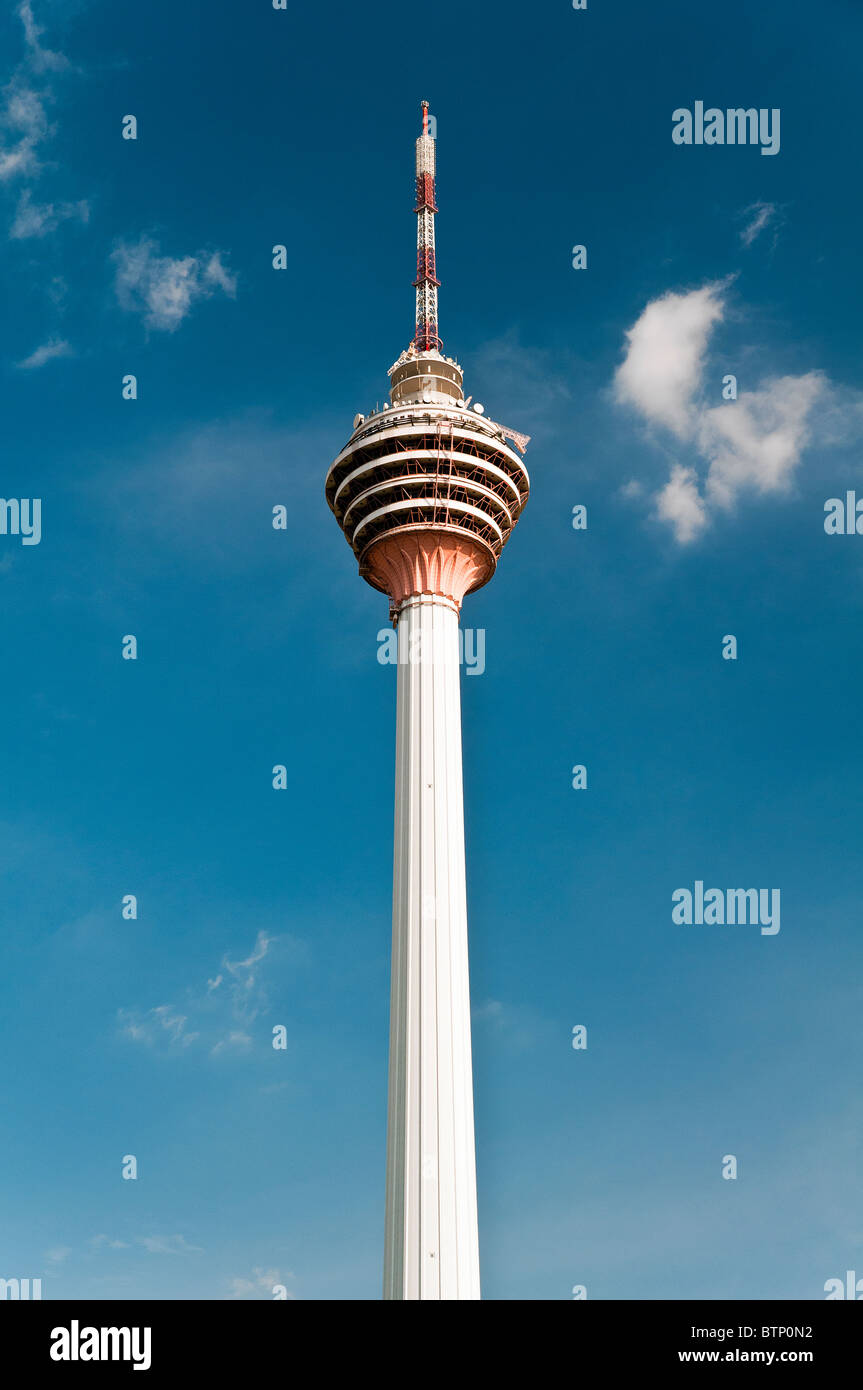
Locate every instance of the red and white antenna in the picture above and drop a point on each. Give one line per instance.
(426, 338)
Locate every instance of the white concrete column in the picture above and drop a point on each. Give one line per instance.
(432, 1247)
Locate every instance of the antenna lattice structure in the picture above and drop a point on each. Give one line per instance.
(427, 283)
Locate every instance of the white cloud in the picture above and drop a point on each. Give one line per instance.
(58, 1254)
(680, 503)
(19, 160)
(55, 347)
(25, 110)
(37, 219)
(665, 352)
(751, 444)
(98, 1241)
(760, 215)
(756, 441)
(164, 288)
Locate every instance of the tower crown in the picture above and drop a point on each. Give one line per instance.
(427, 490)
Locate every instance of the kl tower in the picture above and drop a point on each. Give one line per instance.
(427, 492)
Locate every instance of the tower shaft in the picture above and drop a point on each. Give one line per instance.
(431, 1240)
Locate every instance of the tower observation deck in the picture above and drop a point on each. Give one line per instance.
(427, 491)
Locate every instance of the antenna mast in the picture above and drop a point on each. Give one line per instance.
(426, 283)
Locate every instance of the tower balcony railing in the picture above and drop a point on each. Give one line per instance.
(467, 448)
(426, 465)
(442, 515)
(417, 491)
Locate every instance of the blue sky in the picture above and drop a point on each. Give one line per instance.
(258, 647)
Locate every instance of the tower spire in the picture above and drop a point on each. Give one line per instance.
(426, 337)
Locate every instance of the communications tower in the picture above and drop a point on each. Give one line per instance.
(427, 491)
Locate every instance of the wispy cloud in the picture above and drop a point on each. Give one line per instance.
(509, 1024)
(43, 59)
(529, 382)
(17, 160)
(155, 1025)
(25, 132)
(215, 273)
(246, 1002)
(58, 1254)
(24, 124)
(218, 1016)
(38, 219)
(169, 1245)
(46, 352)
(262, 1281)
(235, 1039)
(489, 1012)
(192, 491)
(164, 289)
(759, 217)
